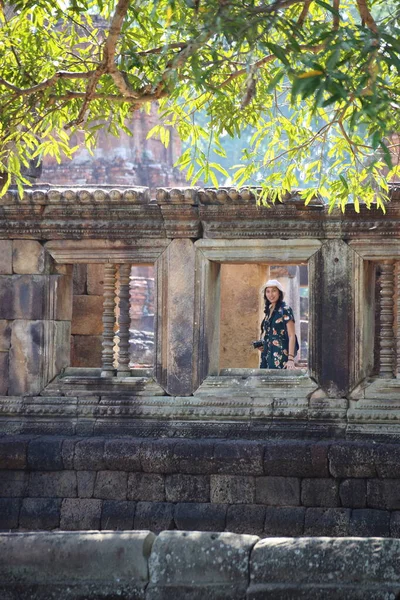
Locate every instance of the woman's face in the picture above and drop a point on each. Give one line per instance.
(272, 294)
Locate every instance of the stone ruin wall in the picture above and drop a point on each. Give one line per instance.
(194, 444)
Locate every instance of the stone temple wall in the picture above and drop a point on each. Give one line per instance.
(194, 440)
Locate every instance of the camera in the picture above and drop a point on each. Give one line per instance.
(258, 344)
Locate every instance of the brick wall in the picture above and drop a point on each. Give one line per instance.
(274, 488)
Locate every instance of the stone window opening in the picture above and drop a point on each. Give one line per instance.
(112, 325)
(242, 310)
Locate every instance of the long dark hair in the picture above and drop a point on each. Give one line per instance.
(267, 304)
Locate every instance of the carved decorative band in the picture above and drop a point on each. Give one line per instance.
(387, 340)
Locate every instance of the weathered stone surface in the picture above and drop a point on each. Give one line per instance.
(395, 524)
(146, 487)
(9, 513)
(353, 493)
(195, 456)
(283, 521)
(80, 514)
(296, 459)
(245, 518)
(5, 257)
(232, 489)
(45, 454)
(180, 566)
(200, 517)
(59, 484)
(95, 279)
(28, 257)
(40, 513)
(88, 564)
(86, 481)
(239, 458)
(117, 515)
(278, 491)
(352, 460)
(4, 379)
(13, 453)
(187, 488)
(111, 485)
(86, 351)
(366, 522)
(23, 296)
(68, 452)
(122, 454)
(89, 454)
(5, 335)
(333, 522)
(317, 568)
(87, 312)
(320, 492)
(155, 516)
(13, 484)
(62, 285)
(79, 279)
(387, 461)
(383, 493)
(157, 456)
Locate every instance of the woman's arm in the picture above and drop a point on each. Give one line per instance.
(292, 342)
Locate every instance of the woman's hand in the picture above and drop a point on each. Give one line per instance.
(289, 365)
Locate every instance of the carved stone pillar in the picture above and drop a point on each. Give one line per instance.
(398, 319)
(386, 337)
(108, 320)
(124, 320)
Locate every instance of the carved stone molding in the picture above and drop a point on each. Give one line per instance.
(103, 251)
(258, 251)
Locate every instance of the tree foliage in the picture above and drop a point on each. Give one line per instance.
(315, 82)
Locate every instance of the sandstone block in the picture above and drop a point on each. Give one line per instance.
(4, 377)
(187, 488)
(89, 455)
(57, 484)
(296, 459)
(9, 513)
(146, 487)
(353, 493)
(320, 492)
(155, 516)
(86, 351)
(387, 461)
(87, 313)
(13, 484)
(80, 514)
(117, 515)
(212, 565)
(28, 257)
(12, 453)
(86, 481)
(122, 454)
(68, 453)
(383, 493)
(352, 460)
(79, 279)
(95, 279)
(111, 485)
(232, 489)
(395, 524)
(278, 491)
(88, 564)
(24, 297)
(195, 456)
(200, 517)
(62, 286)
(333, 522)
(5, 335)
(45, 454)
(239, 458)
(5, 257)
(283, 521)
(40, 513)
(366, 522)
(245, 518)
(157, 456)
(322, 568)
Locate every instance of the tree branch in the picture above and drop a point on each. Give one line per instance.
(304, 13)
(366, 16)
(46, 83)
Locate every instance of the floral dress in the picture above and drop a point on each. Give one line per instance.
(276, 339)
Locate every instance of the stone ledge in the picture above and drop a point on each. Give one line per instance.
(218, 566)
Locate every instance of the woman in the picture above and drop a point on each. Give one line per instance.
(278, 329)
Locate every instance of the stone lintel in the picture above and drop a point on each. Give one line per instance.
(143, 251)
(259, 251)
